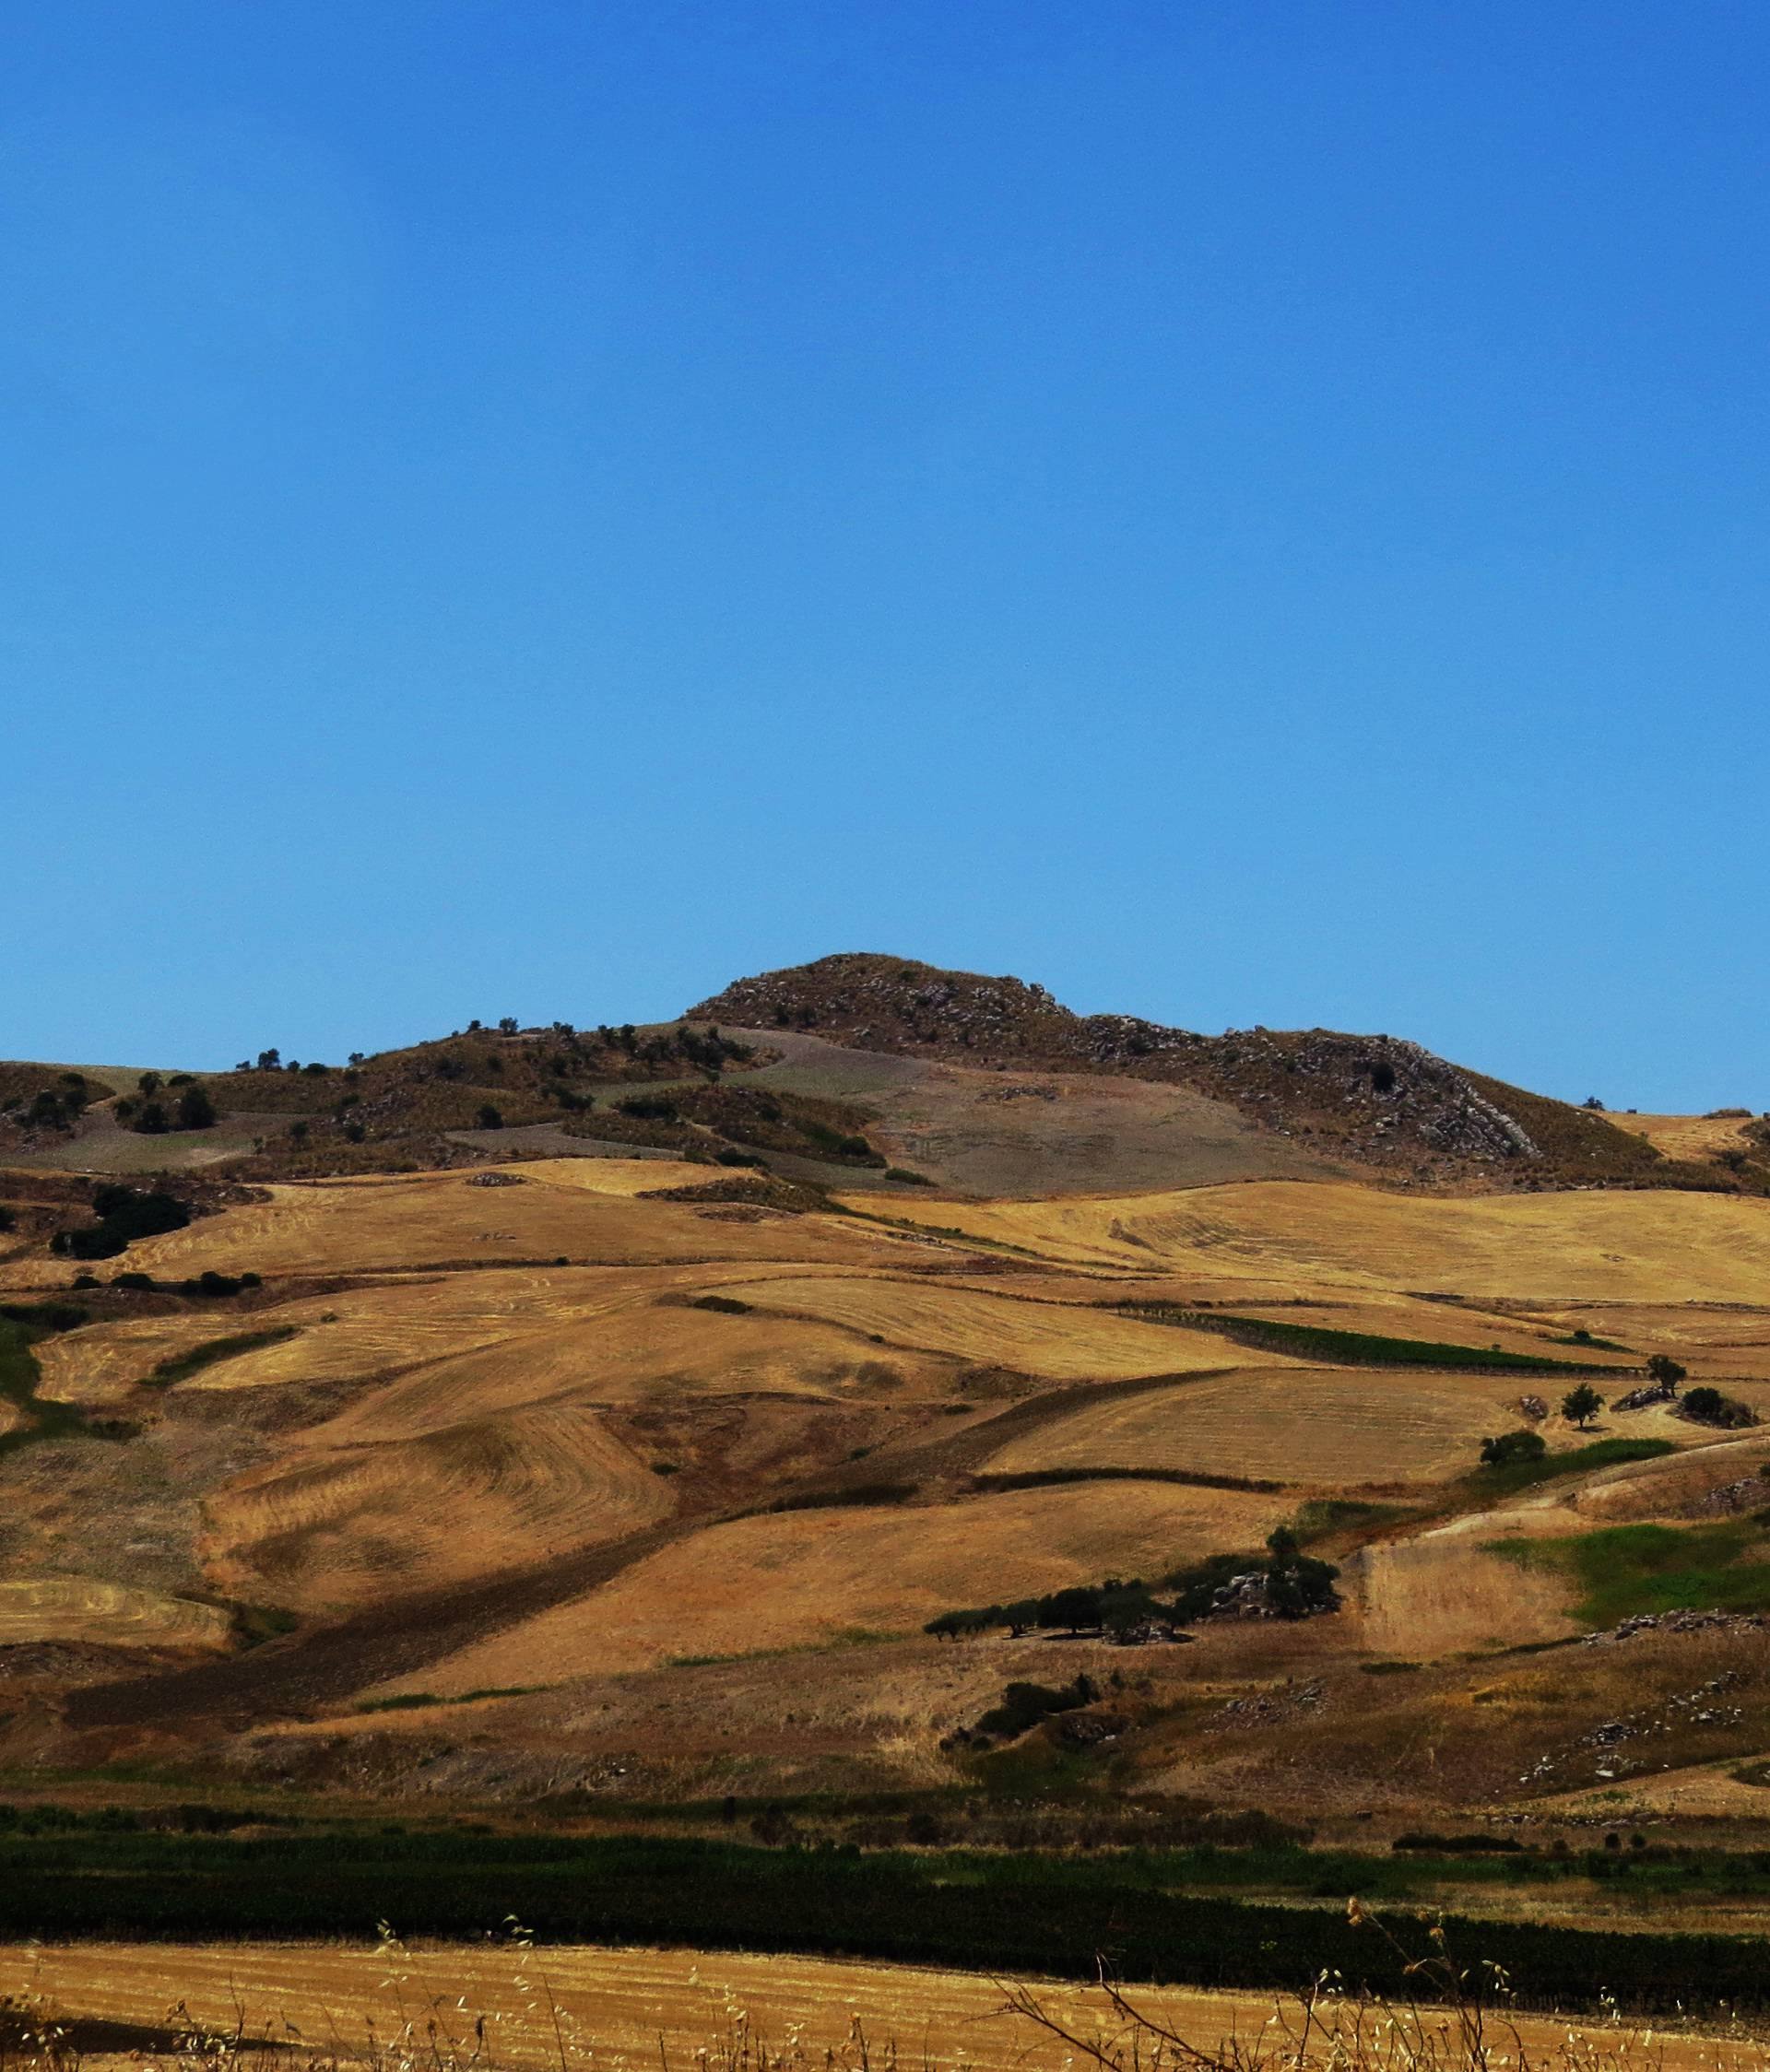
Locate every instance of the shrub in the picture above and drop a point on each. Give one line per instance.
(124, 1213)
(195, 1110)
(1709, 1407)
(1511, 1447)
(491, 1117)
(1024, 1705)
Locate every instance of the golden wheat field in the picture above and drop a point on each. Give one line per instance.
(587, 1210)
(1310, 1425)
(1608, 1247)
(106, 1615)
(574, 2007)
(804, 1579)
(1056, 1342)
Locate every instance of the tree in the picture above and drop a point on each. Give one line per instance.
(195, 1110)
(1581, 1405)
(1665, 1372)
(489, 1117)
(1297, 1586)
(270, 1060)
(1512, 1447)
(507, 1025)
(1074, 1608)
(148, 1082)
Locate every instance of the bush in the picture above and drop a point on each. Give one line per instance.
(491, 1117)
(124, 1213)
(1709, 1407)
(195, 1110)
(1024, 1705)
(1511, 1447)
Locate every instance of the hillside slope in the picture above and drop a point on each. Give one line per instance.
(1378, 1100)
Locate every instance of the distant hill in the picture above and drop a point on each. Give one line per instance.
(866, 1066)
(1378, 1100)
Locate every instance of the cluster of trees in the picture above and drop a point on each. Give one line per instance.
(124, 1214)
(187, 1105)
(1294, 1584)
(272, 1061)
(1709, 1407)
(57, 1107)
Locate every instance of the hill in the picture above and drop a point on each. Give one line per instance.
(1379, 1102)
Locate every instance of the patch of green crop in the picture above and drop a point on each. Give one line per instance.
(1319, 1341)
(1578, 1460)
(1627, 1570)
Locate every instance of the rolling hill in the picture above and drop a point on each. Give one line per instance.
(626, 1442)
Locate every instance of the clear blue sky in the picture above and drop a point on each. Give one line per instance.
(1242, 512)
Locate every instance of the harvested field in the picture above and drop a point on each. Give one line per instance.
(1300, 1424)
(809, 1578)
(338, 1526)
(1035, 1133)
(1539, 1249)
(582, 1209)
(653, 2006)
(79, 1609)
(1056, 1341)
(1688, 1136)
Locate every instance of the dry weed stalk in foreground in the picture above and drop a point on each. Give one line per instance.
(1451, 2025)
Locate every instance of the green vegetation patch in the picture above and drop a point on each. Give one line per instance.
(1321, 1517)
(1626, 1569)
(180, 1366)
(1508, 1477)
(1362, 1349)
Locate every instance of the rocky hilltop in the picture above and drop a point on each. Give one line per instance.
(1379, 1099)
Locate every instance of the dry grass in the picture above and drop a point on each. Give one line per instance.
(333, 1527)
(1689, 1136)
(397, 2009)
(1442, 1593)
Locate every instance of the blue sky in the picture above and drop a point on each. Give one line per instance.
(1244, 513)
